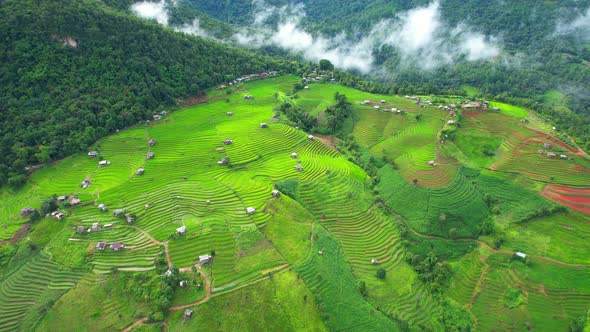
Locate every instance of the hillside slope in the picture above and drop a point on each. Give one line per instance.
(73, 71)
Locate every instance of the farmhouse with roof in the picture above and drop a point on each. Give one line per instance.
(275, 193)
(264, 125)
(298, 168)
(104, 163)
(152, 142)
(188, 313)
(205, 259)
(93, 154)
(101, 245)
(181, 230)
(117, 246)
(149, 155)
(228, 141)
(25, 212)
(250, 210)
(140, 171)
(102, 207)
(57, 215)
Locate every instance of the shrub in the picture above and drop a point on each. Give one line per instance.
(381, 273)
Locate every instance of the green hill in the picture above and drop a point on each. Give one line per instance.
(75, 71)
(362, 238)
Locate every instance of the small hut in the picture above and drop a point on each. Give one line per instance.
(93, 154)
(228, 141)
(75, 200)
(102, 207)
(229, 113)
(310, 137)
(382, 101)
(298, 168)
(264, 125)
(374, 261)
(129, 218)
(140, 171)
(104, 163)
(101, 245)
(431, 163)
(546, 145)
(80, 229)
(188, 313)
(223, 161)
(118, 212)
(117, 246)
(275, 193)
(250, 210)
(451, 122)
(205, 259)
(294, 155)
(563, 156)
(152, 142)
(181, 230)
(149, 155)
(25, 212)
(551, 154)
(249, 97)
(57, 215)
(95, 227)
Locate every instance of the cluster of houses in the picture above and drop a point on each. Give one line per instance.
(159, 116)
(377, 107)
(72, 199)
(315, 77)
(115, 246)
(549, 153)
(249, 77)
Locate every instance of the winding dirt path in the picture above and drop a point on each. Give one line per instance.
(137, 323)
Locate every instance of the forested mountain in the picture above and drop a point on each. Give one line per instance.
(537, 66)
(73, 71)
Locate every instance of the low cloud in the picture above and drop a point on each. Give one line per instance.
(152, 10)
(158, 11)
(419, 36)
(579, 27)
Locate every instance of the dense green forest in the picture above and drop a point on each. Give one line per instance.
(60, 97)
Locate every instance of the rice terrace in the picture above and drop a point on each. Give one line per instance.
(422, 213)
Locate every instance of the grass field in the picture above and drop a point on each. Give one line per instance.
(309, 258)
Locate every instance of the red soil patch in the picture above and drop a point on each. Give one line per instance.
(471, 114)
(574, 198)
(330, 141)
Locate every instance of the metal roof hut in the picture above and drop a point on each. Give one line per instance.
(104, 163)
(431, 163)
(382, 101)
(223, 161)
(117, 246)
(248, 97)
(310, 137)
(374, 261)
(450, 122)
(25, 212)
(75, 200)
(546, 145)
(228, 141)
(102, 207)
(376, 107)
(275, 193)
(229, 113)
(152, 142)
(181, 230)
(101, 245)
(129, 218)
(250, 210)
(140, 171)
(118, 212)
(563, 156)
(205, 259)
(188, 313)
(294, 155)
(551, 154)
(264, 125)
(93, 154)
(149, 155)
(299, 168)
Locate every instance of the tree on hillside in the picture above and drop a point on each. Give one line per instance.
(326, 65)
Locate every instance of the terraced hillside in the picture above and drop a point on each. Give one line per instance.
(389, 243)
